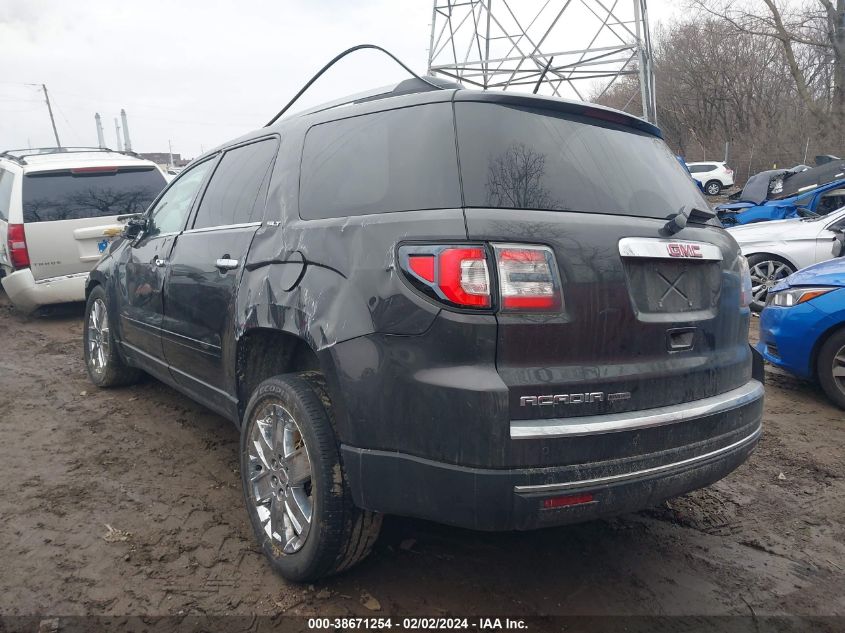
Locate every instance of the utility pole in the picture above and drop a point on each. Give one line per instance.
(170, 147)
(50, 110)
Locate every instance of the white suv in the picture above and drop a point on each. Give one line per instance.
(59, 210)
(713, 176)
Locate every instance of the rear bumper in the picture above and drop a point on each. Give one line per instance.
(506, 499)
(27, 294)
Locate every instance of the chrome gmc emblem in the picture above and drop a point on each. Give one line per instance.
(684, 250)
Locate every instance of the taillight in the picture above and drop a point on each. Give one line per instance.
(528, 277)
(18, 252)
(459, 275)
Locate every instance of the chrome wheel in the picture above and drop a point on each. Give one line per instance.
(765, 275)
(838, 369)
(280, 482)
(98, 336)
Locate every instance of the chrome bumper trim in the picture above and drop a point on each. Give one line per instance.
(630, 420)
(637, 474)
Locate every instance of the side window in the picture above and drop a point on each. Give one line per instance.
(698, 169)
(234, 194)
(171, 211)
(6, 178)
(398, 160)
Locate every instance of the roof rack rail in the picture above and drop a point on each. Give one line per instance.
(19, 155)
(359, 47)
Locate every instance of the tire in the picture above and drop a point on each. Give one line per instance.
(289, 417)
(766, 271)
(831, 359)
(713, 188)
(102, 359)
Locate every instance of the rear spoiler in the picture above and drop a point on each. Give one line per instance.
(564, 106)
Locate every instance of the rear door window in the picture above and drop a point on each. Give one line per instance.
(237, 190)
(71, 194)
(398, 160)
(525, 158)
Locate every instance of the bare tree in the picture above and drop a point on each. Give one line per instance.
(814, 32)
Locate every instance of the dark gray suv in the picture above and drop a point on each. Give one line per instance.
(490, 310)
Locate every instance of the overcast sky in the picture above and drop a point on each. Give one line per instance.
(195, 72)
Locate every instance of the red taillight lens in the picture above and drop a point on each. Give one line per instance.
(528, 279)
(454, 274)
(422, 265)
(463, 277)
(18, 252)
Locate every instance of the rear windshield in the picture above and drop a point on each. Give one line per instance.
(74, 194)
(523, 158)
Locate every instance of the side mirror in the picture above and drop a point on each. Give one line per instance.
(135, 227)
(804, 212)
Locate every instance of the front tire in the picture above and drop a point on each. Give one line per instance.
(102, 360)
(830, 367)
(296, 494)
(766, 272)
(713, 188)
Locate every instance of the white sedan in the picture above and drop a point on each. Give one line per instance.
(777, 249)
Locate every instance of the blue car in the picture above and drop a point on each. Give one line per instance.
(784, 194)
(802, 328)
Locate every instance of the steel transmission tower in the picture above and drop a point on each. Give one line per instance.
(572, 48)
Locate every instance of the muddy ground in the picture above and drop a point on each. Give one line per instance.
(128, 502)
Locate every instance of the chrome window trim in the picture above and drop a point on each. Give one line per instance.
(653, 248)
(637, 474)
(630, 420)
(219, 227)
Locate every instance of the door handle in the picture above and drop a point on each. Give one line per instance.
(225, 263)
(159, 262)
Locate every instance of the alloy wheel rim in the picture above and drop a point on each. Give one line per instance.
(764, 277)
(713, 190)
(280, 484)
(838, 369)
(98, 336)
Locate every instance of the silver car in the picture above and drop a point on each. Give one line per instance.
(777, 249)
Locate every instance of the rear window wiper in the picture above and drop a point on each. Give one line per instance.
(684, 215)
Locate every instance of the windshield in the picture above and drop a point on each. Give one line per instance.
(89, 192)
(517, 157)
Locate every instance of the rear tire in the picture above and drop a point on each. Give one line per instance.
(102, 360)
(766, 271)
(296, 493)
(831, 360)
(713, 188)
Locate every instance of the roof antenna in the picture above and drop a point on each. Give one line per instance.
(543, 75)
(335, 60)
